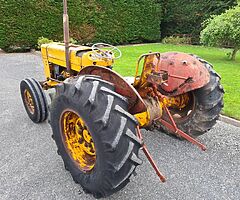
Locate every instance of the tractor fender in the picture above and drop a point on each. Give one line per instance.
(122, 87)
(185, 73)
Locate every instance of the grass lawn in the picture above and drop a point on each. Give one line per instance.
(229, 70)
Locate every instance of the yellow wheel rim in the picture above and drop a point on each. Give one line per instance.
(29, 101)
(78, 141)
(181, 107)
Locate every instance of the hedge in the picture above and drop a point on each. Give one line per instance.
(186, 16)
(116, 22)
(22, 22)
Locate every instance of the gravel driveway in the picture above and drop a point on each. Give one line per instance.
(31, 169)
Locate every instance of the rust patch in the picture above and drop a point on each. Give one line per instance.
(185, 73)
(135, 102)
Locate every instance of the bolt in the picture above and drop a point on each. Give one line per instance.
(81, 140)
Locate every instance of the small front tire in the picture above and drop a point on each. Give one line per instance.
(34, 100)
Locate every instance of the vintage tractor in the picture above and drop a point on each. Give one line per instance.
(96, 114)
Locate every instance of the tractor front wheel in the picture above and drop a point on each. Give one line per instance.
(34, 100)
(95, 135)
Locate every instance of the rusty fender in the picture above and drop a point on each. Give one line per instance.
(185, 73)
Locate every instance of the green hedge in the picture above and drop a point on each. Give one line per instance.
(186, 16)
(116, 22)
(22, 22)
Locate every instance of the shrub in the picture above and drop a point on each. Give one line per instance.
(23, 22)
(43, 40)
(185, 16)
(176, 40)
(223, 29)
(117, 22)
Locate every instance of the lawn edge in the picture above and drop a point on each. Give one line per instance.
(229, 120)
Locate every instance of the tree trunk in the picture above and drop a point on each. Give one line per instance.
(234, 53)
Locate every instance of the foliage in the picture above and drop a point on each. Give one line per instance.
(186, 16)
(23, 22)
(117, 22)
(222, 30)
(176, 40)
(43, 40)
(120, 20)
(73, 41)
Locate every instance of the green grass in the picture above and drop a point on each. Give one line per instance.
(229, 70)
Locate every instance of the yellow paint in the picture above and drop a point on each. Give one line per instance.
(180, 101)
(143, 118)
(46, 68)
(80, 57)
(78, 141)
(151, 61)
(49, 84)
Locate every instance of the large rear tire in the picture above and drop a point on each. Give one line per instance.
(204, 107)
(112, 129)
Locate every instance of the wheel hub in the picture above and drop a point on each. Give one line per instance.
(181, 106)
(78, 141)
(29, 101)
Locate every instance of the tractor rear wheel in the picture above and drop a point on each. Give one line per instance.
(34, 100)
(203, 108)
(95, 135)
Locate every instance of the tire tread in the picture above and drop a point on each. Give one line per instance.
(120, 147)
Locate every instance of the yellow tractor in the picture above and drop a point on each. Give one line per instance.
(96, 114)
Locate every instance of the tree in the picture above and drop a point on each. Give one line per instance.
(223, 30)
(186, 16)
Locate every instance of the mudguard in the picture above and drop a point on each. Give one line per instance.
(185, 73)
(122, 87)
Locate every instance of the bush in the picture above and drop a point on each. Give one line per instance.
(177, 40)
(23, 22)
(43, 40)
(116, 22)
(223, 30)
(185, 16)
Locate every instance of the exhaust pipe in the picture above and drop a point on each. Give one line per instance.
(66, 34)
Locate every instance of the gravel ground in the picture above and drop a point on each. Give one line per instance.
(31, 169)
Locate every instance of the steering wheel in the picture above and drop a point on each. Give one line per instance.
(106, 51)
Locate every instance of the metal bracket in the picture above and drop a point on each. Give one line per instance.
(178, 132)
(149, 157)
